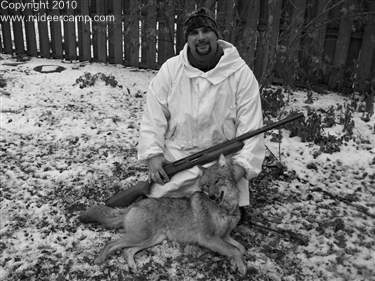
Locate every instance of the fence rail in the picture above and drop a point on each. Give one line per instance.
(330, 42)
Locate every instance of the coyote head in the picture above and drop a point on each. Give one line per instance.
(218, 183)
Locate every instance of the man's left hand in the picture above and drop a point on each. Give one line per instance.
(239, 172)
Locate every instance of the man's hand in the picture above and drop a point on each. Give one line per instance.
(156, 172)
(239, 172)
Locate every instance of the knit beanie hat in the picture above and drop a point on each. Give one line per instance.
(200, 17)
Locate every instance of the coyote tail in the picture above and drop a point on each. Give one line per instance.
(107, 216)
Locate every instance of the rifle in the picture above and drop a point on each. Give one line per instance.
(128, 196)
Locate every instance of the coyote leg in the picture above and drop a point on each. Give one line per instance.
(133, 245)
(111, 247)
(131, 251)
(220, 246)
(235, 243)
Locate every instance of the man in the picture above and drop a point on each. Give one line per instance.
(204, 96)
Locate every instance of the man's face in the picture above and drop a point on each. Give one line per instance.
(202, 41)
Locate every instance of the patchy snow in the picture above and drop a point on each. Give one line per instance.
(66, 145)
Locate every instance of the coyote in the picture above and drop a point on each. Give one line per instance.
(206, 218)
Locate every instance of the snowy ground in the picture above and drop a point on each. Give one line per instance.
(64, 147)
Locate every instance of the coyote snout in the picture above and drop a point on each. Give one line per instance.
(217, 199)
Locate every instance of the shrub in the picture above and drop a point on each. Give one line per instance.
(89, 80)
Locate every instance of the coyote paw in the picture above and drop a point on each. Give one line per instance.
(242, 269)
(130, 260)
(132, 267)
(240, 266)
(99, 260)
(241, 248)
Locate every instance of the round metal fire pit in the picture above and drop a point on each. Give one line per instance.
(49, 68)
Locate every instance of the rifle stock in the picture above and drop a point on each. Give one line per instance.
(128, 196)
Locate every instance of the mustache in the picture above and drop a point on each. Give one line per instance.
(202, 44)
(202, 41)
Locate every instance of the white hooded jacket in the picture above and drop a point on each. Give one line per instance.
(188, 110)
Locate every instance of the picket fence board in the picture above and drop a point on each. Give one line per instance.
(319, 34)
(266, 47)
(166, 19)
(261, 49)
(44, 38)
(117, 42)
(247, 36)
(6, 33)
(132, 36)
(367, 51)
(149, 43)
(18, 33)
(180, 36)
(30, 32)
(84, 41)
(296, 25)
(56, 35)
(210, 4)
(342, 47)
(226, 11)
(70, 36)
(100, 33)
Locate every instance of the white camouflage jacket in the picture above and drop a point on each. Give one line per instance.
(188, 110)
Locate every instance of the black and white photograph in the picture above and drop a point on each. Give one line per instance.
(187, 140)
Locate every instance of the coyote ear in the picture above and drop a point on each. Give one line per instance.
(222, 161)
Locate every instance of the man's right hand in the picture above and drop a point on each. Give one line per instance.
(156, 172)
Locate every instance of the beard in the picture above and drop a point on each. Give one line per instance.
(206, 50)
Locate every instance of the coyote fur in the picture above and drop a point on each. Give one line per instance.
(206, 218)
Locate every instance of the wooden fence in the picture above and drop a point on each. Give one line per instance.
(329, 42)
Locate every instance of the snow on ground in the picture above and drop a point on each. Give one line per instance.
(66, 144)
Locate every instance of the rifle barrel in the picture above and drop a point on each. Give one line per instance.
(269, 127)
(229, 146)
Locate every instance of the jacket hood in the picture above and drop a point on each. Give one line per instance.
(229, 63)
